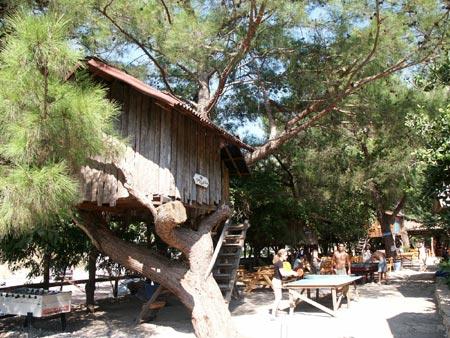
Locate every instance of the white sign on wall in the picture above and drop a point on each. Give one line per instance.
(201, 180)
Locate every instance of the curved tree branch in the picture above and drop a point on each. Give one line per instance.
(292, 184)
(129, 36)
(244, 47)
(167, 11)
(292, 129)
(167, 225)
(147, 262)
(372, 51)
(219, 215)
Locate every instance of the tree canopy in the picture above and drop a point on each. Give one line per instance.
(339, 66)
(49, 126)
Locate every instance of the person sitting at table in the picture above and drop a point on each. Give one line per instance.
(380, 257)
(279, 273)
(299, 261)
(340, 261)
(367, 254)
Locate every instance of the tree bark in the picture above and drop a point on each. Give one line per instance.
(199, 293)
(46, 268)
(385, 219)
(90, 285)
(204, 95)
(385, 223)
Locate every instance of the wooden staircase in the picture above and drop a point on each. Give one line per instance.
(361, 245)
(228, 253)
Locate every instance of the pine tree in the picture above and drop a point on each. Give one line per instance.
(49, 124)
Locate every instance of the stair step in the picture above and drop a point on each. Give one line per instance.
(232, 244)
(229, 254)
(227, 261)
(237, 227)
(232, 239)
(225, 265)
(224, 286)
(231, 258)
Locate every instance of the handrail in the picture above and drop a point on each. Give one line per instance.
(218, 247)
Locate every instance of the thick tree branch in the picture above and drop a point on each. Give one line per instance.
(144, 261)
(291, 129)
(129, 36)
(167, 11)
(167, 225)
(219, 215)
(292, 184)
(378, 199)
(242, 50)
(399, 205)
(167, 217)
(372, 51)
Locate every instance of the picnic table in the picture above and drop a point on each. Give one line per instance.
(262, 277)
(315, 282)
(408, 257)
(366, 270)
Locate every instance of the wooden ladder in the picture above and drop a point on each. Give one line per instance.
(229, 249)
(361, 245)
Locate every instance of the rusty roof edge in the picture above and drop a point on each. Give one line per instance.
(171, 100)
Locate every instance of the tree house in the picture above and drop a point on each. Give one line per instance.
(172, 154)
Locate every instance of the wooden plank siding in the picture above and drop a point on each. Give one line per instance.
(165, 150)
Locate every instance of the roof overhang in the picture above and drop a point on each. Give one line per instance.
(109, 73)
(233, 158)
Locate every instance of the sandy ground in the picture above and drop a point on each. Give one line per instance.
(403, 308)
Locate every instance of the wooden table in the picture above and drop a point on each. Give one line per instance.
(408, 257)
(260, 278)
(315, 282)
(366, 270)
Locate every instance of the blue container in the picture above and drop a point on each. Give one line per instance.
(150, 288)
(397, 266)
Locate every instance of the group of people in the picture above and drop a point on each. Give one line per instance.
(341, 266)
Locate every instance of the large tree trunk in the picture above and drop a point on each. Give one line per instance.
(46, 267)
(199, 293)
(386, 220)
(385, 223)
(90, 285)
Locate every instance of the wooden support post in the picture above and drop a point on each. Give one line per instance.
(296, 296)
(146, 307)
(333, 296)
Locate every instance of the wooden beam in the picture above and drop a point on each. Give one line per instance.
(298, 295)
(232, 161)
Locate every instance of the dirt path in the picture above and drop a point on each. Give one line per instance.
(403, 308)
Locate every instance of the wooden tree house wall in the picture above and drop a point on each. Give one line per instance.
(166, 148)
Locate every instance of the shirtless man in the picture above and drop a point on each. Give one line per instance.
(340, 260)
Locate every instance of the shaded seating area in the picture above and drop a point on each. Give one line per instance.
(407, 258)
(261, 277)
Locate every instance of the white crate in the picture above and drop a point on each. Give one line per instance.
(40, 305)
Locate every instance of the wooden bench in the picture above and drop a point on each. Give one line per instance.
(408, 257)
(262, 277)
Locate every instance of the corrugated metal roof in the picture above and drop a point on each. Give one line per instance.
(102, 69)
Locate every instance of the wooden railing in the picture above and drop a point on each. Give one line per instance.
(218, 247)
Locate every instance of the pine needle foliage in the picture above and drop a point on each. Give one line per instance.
(49, 125)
